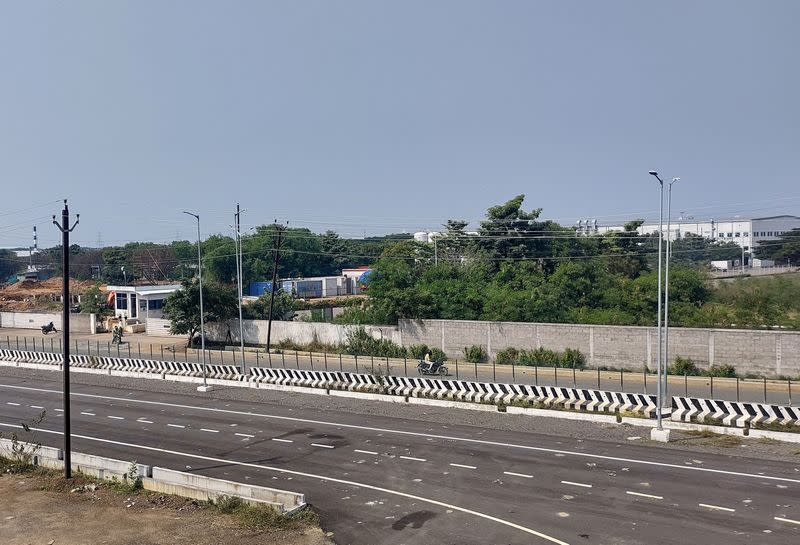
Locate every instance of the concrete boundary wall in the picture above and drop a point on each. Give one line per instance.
(78, 323)
(767, 353)
(162, 480)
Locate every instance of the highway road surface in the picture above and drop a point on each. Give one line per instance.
(378, 479)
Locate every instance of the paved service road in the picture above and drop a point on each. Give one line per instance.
(776, 392)
(382, 480)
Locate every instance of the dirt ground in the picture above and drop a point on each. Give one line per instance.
(40, 510)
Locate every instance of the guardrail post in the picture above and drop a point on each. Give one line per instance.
(765, 389)
(737, 389)
(555, 375)
(118, 354)
(405, 366)
(712, 387)
(51, 344)
(574, 381)
(296, 360)
(476, 371)
(686, 385)
(283, 359)
(372, 363)
(456, 368)
(789, 382)
(356, 356)
(513, 372)
(388, 372)
(598, 378)
(139, 348)
(494, 371)
(325, 358)
(340, 362)
(17, 336)
(311, 358)
(644, 374)
(536, 375)
(25, 342)
(162, 352)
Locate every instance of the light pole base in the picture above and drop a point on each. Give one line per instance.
(204, 388)
(662, 436)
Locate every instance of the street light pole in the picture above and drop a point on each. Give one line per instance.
(65, 231)
(666, 290)
(659, 400)
(239, 281)
(205, 387)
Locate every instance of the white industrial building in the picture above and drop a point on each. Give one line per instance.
(745, 232)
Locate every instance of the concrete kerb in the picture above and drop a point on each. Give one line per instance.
(166, 481)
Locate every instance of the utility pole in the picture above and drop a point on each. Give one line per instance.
(239, 280)
(205, 387)
(65, 231)
(279, 242)
(666, 290)
(659, 400)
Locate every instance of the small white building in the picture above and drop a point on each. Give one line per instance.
(140, 302)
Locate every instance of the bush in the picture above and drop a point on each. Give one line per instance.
(572, 357)
(475, 354)
(540, 356)
(361, 343)
(417, 351)
(725, 371)
(437, 355)
(683, 366)
(507, 356)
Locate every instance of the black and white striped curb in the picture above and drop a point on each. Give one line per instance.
(315, 379)
(732, 413)
(30, 357)
(488, 392)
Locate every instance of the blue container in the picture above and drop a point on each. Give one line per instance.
(257, 289)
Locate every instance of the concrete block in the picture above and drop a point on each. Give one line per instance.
(205, 388)
(662, 436)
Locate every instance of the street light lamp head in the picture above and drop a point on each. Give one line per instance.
(675, 180)
(652, 173)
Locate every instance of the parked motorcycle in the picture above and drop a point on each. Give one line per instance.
(49, 328)
(432, 368)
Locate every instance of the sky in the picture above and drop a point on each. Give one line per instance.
(370, 117)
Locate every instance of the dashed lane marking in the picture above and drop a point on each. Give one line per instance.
(282, 440)
(366, 452)
(176, 425)
(517, 474)
(790, 521)
(89, 414)
(651, 496)
(245, 435)
(143, 421)
(716, 507)
(582, 485)
(36, 407)
(321, 445)
(209, 430)
(10, 403)
(464, 466)
(117, 417)
(413, 459)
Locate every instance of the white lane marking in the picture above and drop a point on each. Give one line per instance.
(175, 426)
(10, 403)
(209, 430)
(413, 459)
(89, 414)
(36, 407)
(418, 434)
(311, 476)
(577, 484)
(117, 417)
(244, 435)
(651, 496)
(366, 452)
(282, 440)
(143, 421)
(321, 446)
(462, 465)
(59, 410)
(517, 474)
(790, 521)
(716, 507)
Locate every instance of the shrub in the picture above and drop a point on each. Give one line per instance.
(572, 357)
(540, 356)
(683, 366)
(475, 354)
(726, 371)
(437, 355)
(507, 356)
(417, 351)
(361, 343)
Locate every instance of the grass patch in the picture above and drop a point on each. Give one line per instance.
(262, 517)
(716, 439)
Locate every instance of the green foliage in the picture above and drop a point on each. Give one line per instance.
(542, 357)
(93, 301)
(725, 371)
(361, 343)
(182, 307)
(475, 354)
(282, 307)
(684, 366)
(785, 250)
(9, 265)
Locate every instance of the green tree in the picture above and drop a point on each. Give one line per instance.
(282, 308)
(94, 301)
(9, 265)
(182, 307)
(786, 249)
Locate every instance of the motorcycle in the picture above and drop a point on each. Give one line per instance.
(116, 335)
(49, 328)
(432, 368)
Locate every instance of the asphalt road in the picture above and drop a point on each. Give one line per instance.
(776, 392)
(378, 479)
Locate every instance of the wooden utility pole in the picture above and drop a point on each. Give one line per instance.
(277, 257)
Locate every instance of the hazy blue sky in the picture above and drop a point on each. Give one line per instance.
(379, 116)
